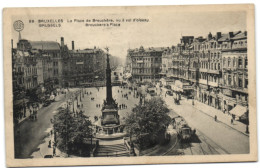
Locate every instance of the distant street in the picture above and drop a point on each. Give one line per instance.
(32, 133)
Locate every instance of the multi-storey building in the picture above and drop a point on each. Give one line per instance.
(83, 66)
(47, 55)
(215, 67)
(117, 75)
(235, 72)
(25, 63)
(146, 63)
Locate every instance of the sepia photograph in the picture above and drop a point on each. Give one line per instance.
(129, 85)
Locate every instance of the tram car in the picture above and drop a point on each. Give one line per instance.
(184, 131)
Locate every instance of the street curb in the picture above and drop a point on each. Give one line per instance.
(171, 147)
(222, 122)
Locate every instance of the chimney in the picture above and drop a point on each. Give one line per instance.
(62, 41)
(12, 44)
(209, 36)
(231, 34)
(72, 45)
(218, 35)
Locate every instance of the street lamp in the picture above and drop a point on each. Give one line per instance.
(24, 107)
(247, 123)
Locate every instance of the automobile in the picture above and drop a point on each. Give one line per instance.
(46, 103)
(168, 92)
(48, 156)
(151, 91)
(52, 98)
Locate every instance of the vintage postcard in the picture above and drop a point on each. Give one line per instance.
(129, 85)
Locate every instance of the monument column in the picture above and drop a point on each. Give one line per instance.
(108, 82)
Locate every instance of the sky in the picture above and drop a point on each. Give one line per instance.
(163, 29)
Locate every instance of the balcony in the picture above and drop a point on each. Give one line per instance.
(140, 61)
(213, 84)
(203, 70)
(203, 81)
(236, 88)
(214, 71)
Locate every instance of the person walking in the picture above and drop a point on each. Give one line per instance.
(215, 117)
(49, 146)
(54, 150)
(232, 121)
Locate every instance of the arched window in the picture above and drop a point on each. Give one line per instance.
(224, 62)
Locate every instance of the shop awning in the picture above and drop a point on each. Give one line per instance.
(238, 110)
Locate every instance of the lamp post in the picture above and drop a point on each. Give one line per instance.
(247, 123)
(77, 100)
(73, 104)
(24, 107)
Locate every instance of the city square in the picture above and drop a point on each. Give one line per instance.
(187, 96)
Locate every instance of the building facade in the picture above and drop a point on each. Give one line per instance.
(146, 64)
(214, 68)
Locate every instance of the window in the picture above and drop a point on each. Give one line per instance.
(240, 83)
(246, 63)
(224, 62)
(246, 83)
(229, 61)
(234, 62)
(229, 80)
(240, 63)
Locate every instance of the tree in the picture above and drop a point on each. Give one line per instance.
(148, 122)
(72, 132)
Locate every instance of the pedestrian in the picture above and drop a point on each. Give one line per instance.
(54, 151)
(51, 132)
(49, 146)
(232, 121)
(215, 117)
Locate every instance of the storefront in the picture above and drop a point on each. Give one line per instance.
(238, 111)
